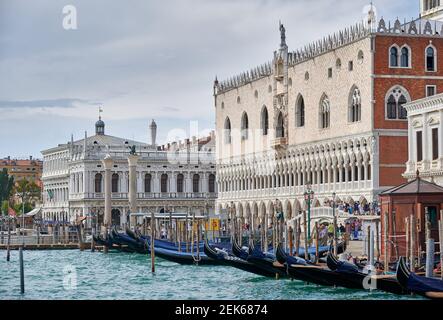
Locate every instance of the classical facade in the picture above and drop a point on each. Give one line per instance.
(431, 9)
(178, 177)
(425, 131)
(328, 117)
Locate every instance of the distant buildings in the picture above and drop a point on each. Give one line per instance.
(29, 169)
(178, 177)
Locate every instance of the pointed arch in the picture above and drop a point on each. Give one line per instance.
(300, 111)
(431, 58)
(324, 112)
(393, 56)
(244, 126)
(264, 121)
(395, 98)
(280, 129)
(354, 113)
(227, 128)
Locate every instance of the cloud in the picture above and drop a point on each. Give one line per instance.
(149, 59)
(50, 103)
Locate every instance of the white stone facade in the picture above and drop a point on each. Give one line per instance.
(431, 9)
(425, 118)
(73, 177)
(340, 155)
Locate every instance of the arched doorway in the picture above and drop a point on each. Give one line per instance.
(115, 217)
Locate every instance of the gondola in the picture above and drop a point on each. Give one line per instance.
(322, 250)
(229, 260)
(314, 273)
(165, 244)
(428, 287)
(99, 240)
(185, 257)
(125, 240)
(294, 268)
(266, 262)
(352, 273)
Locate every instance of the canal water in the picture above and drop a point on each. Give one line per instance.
(71, 274)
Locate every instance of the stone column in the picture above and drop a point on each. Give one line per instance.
(107, 163)
(411, 158)
(132, 161)
(426, 144)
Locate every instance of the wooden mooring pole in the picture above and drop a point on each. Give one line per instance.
(297, 237)
(413, 233)
(8, 250)
(407, 238)
(306, 235)
(22, 271)
(377, 239)
(430, 247)
(317, 256)
(386, 235)
(290, 235)
(152, 242)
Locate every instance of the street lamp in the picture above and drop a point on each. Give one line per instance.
(309, 195)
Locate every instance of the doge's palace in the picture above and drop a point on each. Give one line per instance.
(327, 118)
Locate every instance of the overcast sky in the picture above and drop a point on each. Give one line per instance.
(142, 59)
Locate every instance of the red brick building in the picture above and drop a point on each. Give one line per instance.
(416, 198)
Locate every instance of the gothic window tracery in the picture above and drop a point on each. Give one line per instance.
(395, 100)
(324, 112)
(355, 105)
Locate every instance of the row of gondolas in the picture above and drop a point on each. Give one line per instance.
(276, 263)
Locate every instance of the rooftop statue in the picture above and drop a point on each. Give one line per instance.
(132, 152)
(282, 34)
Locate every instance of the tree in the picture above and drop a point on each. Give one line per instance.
(28, 191)
(6, 185)
(5, 207)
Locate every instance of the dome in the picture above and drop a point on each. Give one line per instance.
(100, 127)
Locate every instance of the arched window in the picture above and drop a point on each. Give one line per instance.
(395, 99)
(227, 130)
(405, 57)
(264, 121)
(402, 113)
(180, 180)
(244, 126)
(391, 107)
(195, 183)
(355, 105)
(430, 59)
(148, 178)
(324, 112)
(280, 129)
(98, 182)
(164, 183)
(393, 61)
(115, 182)
(300, 112)
(211, 186)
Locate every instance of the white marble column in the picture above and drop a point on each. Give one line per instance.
(426, 145)
(132, 162)
(107, 163)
